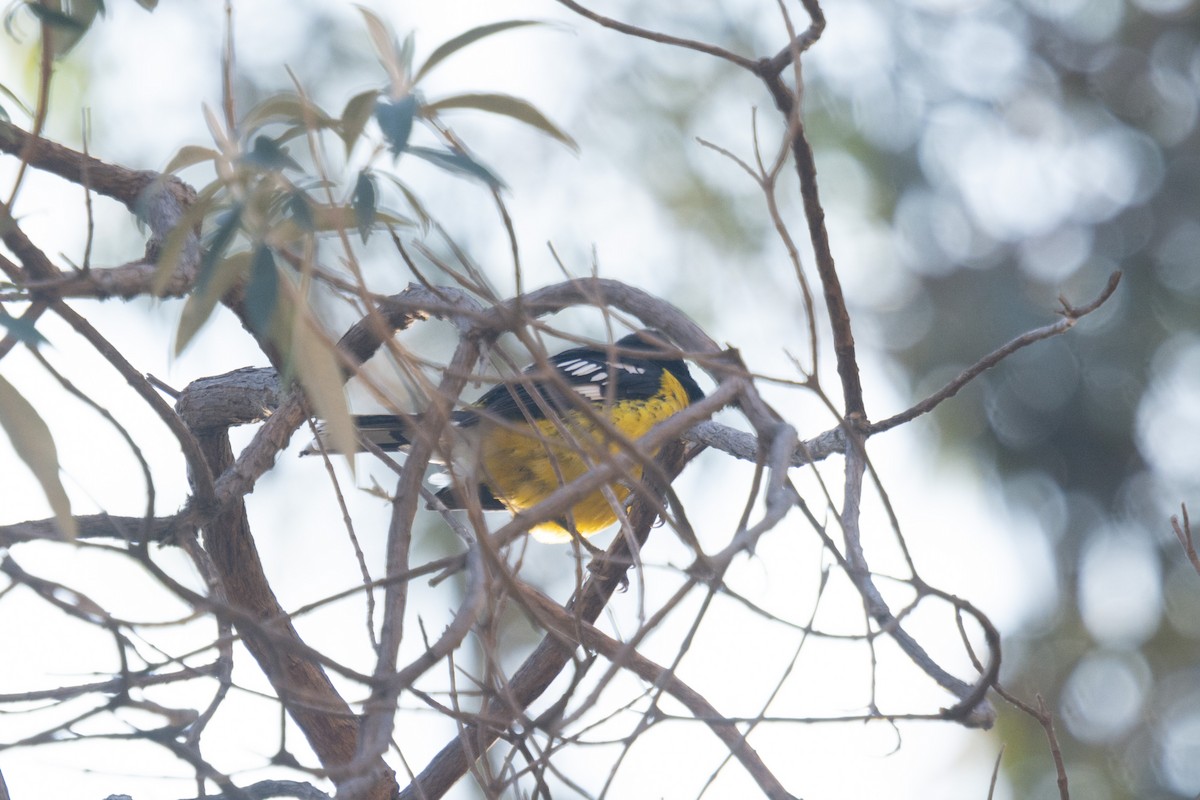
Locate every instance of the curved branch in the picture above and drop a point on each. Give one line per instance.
(158, 200)
(110, 180)
(202, 476)
(380, 712)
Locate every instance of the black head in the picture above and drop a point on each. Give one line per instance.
(650, 342)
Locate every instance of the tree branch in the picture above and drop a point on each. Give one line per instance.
(1071, 315)
(548, 658)
(569, 627)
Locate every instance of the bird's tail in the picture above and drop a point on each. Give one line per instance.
(386, 431)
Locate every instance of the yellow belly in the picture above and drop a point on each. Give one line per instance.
(523, 464)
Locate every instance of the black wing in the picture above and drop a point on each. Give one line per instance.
(589, 373)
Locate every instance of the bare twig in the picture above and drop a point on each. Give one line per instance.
(267, 789)
(661, 38)
(380, 712)
(547, 659)
(1071, 316)
(621, 654)
(995, 774)
(1044, 718)
(1184, 534)
(202, 476)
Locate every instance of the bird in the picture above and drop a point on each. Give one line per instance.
(524, 439)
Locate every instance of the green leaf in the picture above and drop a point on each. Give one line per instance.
(56, 19)
(364, 201)
(458, 162)
(286, 107)
(339, 218)
(227, 226)
(200, 303)
(355, 115)
(64, 30)
(316, 365)
(263, 290)
(149, 5)
(31, 438)
(405, 53)
(414, 202)
(6, 92)
(21, 328)
(177, 240)
(450, 47)
(300, 208)
(268, 154)
(389, 54)
(507, 105)
(395, 118)
(217, 128)
(188, 156)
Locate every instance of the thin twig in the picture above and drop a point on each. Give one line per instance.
(202, 476)
(995, 774)
(1184, 534)
(620, 654)
(1071, 315)
(661, 38)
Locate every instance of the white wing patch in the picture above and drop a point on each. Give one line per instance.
(596, 385)
(579, 367)
(589, 391)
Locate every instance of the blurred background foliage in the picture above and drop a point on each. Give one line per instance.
(978, 158)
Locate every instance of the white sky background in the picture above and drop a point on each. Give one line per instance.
(148, 75)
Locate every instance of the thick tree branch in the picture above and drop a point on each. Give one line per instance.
(326, 720)
(94, 526)
(158, 200)
(120, 183)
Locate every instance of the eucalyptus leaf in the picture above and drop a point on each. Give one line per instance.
(395, 118)
(458, 162)
(262, 292)
(31, 439)
(200, 303)
(227, 226)
(286, 107)
(299, 206)
(365, 202)
(448, 48)
(385, 47)
(189, 155)
(23, 329)
(316, 365)
(355, 115)
(507, 105)
(269, 154)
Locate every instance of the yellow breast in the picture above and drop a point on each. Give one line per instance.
(522, 463)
